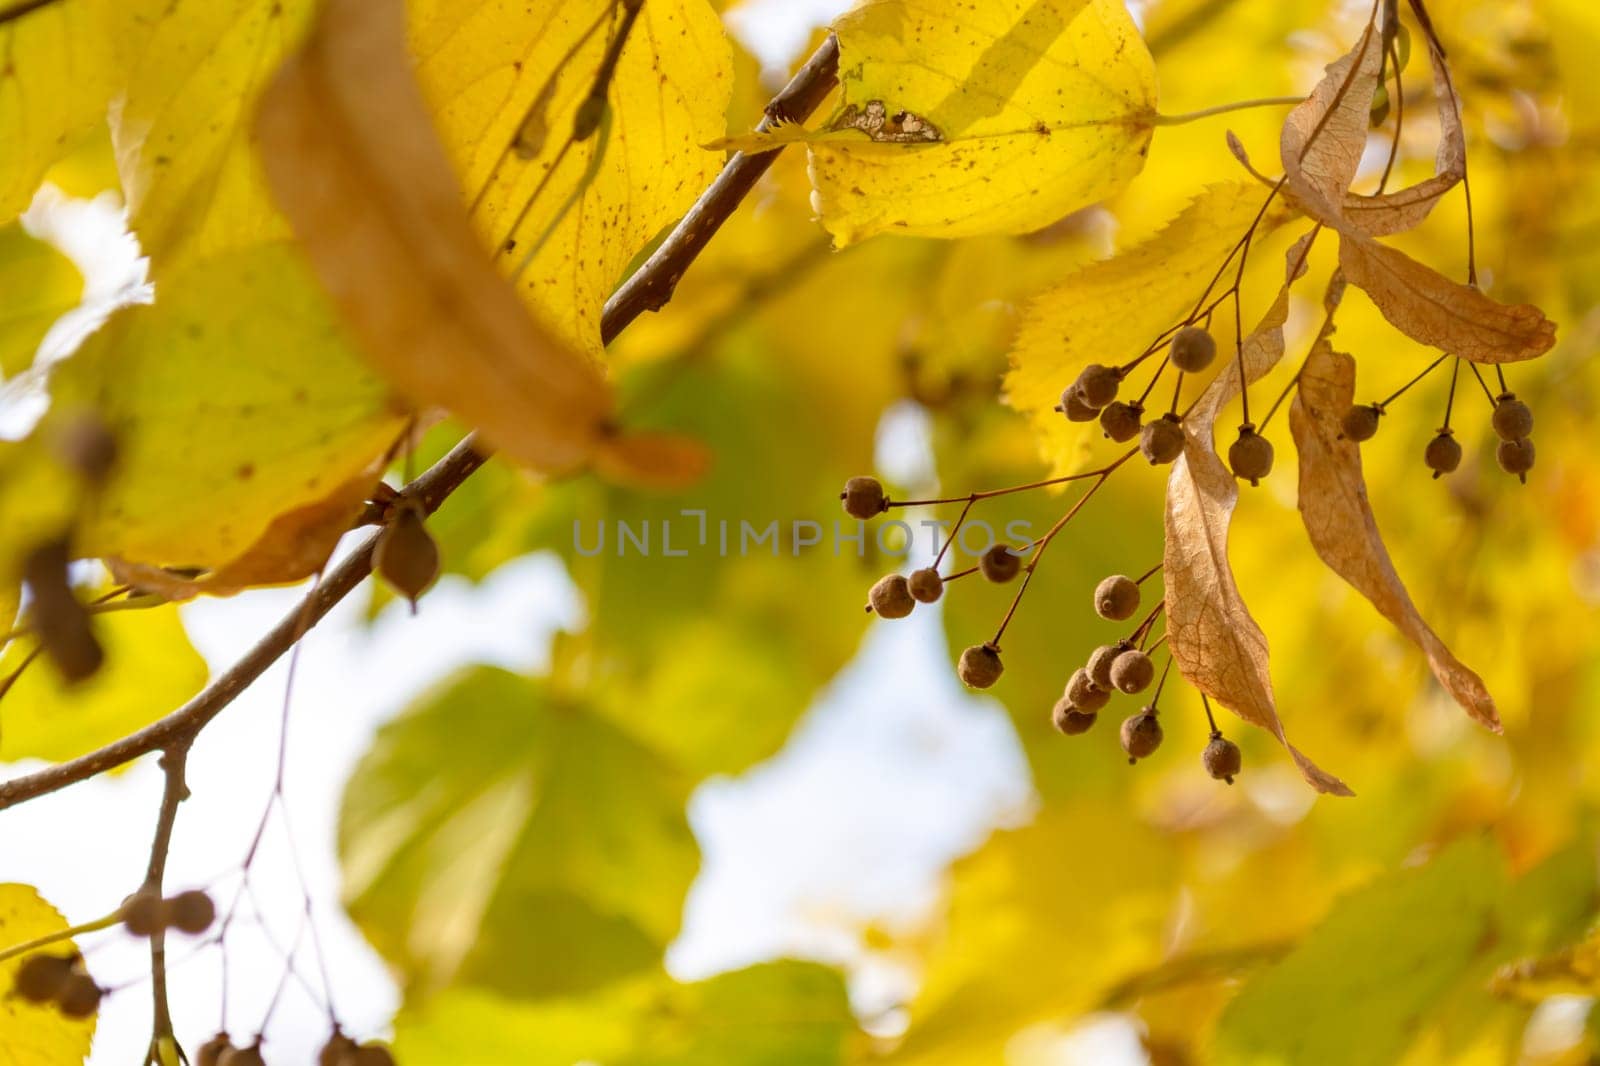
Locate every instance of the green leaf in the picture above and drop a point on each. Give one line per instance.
(150, 668)
(774, 1014)
(1358, 987)
(502, 834)
(33, 1035)
(40, 285)
(234, 401)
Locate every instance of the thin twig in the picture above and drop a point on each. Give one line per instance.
(174, 791)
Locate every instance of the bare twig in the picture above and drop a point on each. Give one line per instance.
(649, 288)
(174, 791)
(653, 283)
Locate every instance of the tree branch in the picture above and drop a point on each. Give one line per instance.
(652, 285)
(26, 7)
(649, 288)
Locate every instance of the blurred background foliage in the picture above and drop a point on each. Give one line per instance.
(517, 847)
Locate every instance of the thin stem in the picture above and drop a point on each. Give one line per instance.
(1165, 670)
(1500, 376)
(174, 791)
(1393, 55)
(1155, 378)
(26, 7)
(1142, 578)
(1050, 534)
(959, 574)
(1450, 400)
(1143, 628)
(1008, 490)
(1177, 393)
(59, 935)
(1487, 395)
(1402, 389)
(1223, 109)
(945, 547)
(1210, 720)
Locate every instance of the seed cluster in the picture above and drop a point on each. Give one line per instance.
(146, 913)
(340, 1050)
(59, 981)
(1511, 419)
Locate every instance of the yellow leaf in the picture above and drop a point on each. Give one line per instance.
(1338, 517)
(495, 72)
(354, 161)
(33, 1035)
(149, 669)
(963, 118)
(59, 63)
(1110, 311)
(181, 128)
(40, 285)
(233, 400)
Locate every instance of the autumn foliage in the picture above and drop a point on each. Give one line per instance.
(1246, 316)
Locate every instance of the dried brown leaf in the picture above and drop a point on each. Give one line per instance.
(1404, 209)
(1324, 137)
(1215, 642)
(1323, 140)
(1338, 517)
(1439, 313)
(353, 159)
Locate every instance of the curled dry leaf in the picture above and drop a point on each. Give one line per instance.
(1339, 520)
(353, 160)
(1435, 311)
(1218, 647)
(1324, 138)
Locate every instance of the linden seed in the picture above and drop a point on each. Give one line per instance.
(1192, 350)
(143, 913)
(1162, 440)
(372, 1055)
(1513, 419)
(1221, 758)
(191, 912)
(59, 618)
(1100, 661)
(78, 996)
(980, 666)
(1000, 564)
(242, 1056)
(340, 1050)
(210, 1053)
(1132, 671)
(1250, 457)
(41, 977)
(1443, 454)
(1084, 694)
(1360, 422)
(1097, 385)
(1516, 457)
(1070, 721)
(1141, 735)
(1075, 407)
(891, 597)
(1378, 112)
(1116, 598)
(863, 497)
(926, 585)
(1120, 420)
(406, 554)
